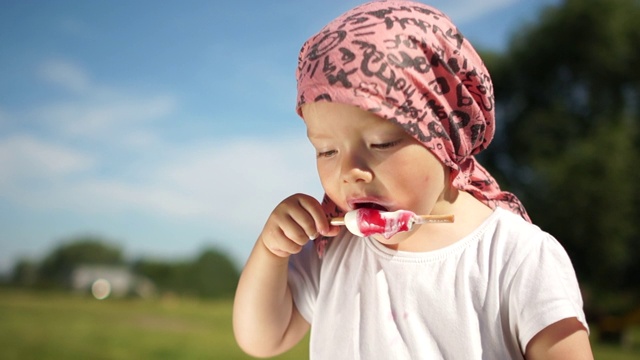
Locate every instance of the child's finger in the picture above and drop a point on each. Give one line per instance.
(297, 230)
(320, 224)
(306, 227)
(333, 230)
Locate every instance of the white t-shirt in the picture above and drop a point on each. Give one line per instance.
(483, 297)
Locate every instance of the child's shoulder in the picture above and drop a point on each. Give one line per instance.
(516, 238)
(513, 226)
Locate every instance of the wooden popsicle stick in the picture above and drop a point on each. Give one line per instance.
(435, 219)
(423, 219)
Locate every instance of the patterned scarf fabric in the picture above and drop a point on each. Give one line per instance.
(407, 62)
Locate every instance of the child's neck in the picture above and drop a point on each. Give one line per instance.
(469, 214)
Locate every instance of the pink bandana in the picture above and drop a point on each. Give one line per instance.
(406, 62)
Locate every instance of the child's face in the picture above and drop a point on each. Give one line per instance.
(366, 161)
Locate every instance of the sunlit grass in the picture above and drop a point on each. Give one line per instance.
(63, 326)
(59, 326)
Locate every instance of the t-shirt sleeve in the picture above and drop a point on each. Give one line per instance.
(304, 279)
(544, 290)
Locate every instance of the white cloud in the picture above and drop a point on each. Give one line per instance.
(140, 139)
(242, 176)
(96, 110)
(233, 183)
(103, 115)
(27, 157)
(65, 74)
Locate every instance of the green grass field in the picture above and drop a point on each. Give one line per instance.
(62, 326)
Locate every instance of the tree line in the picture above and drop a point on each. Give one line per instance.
(211, 274)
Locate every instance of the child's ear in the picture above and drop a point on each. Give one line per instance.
(450, 191)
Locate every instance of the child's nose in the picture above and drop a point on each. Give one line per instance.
(355, 169)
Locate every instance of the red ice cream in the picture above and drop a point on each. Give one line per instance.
(367, 222)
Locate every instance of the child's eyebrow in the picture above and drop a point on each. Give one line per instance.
(315, 135)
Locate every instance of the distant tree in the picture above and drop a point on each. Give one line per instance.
(568, 101)
(214, 275)
(57, 266)
(210, 275)
(25, 273)
(162, 273)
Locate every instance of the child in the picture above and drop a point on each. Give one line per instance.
(397, 103)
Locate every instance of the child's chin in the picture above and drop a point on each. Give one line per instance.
(392, 241)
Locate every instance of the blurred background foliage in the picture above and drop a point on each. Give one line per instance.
(568, 108)
(211, 274)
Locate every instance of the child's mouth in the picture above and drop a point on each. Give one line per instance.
(370, 205)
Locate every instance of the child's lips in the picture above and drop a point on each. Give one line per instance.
(367, 202)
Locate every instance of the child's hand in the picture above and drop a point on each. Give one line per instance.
(296, 220)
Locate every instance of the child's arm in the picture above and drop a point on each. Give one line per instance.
(265, 320)
(565, 339)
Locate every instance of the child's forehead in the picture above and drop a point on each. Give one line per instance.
(324, 119)
(328, 110)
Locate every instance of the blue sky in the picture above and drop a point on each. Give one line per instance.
(165, 126)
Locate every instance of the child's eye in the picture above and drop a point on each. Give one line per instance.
(386, 145)
(328, 153)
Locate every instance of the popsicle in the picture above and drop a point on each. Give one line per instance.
(367, 222)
